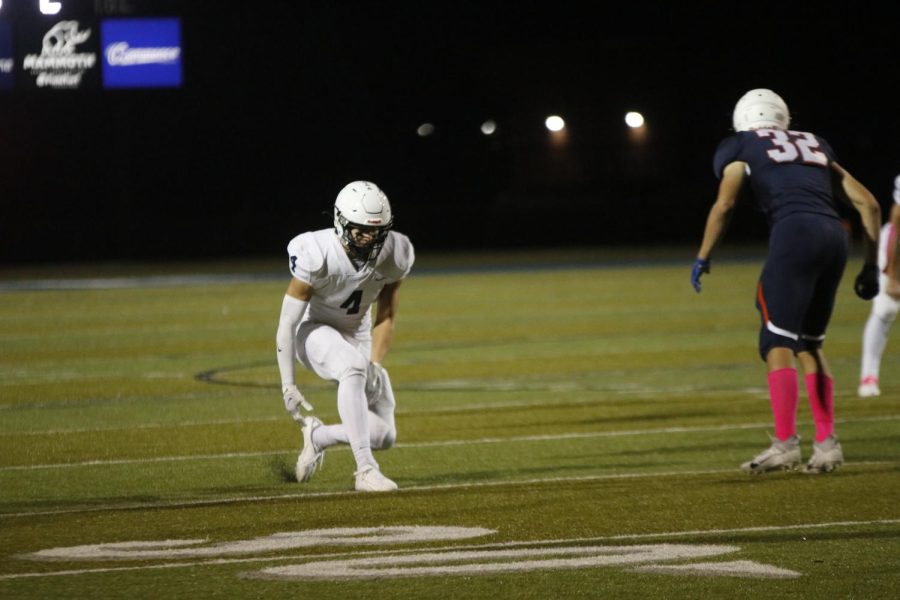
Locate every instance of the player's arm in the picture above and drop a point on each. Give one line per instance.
(385, 316)
(869, 211)
(718, 217)
(722, 208)
(292, 308)
(866, 284)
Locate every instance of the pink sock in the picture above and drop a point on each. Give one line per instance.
(821, 400)
(783, 393)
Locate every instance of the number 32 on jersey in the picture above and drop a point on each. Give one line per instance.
(789, 145)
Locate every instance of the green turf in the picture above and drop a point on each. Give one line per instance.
(570, 403)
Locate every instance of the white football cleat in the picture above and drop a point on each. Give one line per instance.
(868, 387)
(370, 479)
(781, 455)
(827, 456)
(311, 458)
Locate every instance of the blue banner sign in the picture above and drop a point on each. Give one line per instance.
(141, 52)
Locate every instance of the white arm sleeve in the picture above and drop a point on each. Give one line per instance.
(292, 311)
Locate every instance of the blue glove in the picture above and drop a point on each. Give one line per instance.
(701, 266)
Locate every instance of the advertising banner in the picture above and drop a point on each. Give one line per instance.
(141, 53)
(60, 55)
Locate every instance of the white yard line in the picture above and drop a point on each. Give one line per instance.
(419, 488)
(441, 443)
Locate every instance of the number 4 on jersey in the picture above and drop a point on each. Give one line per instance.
(352, 303)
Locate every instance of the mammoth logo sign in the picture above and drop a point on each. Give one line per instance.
(84, 54)
(67, 58)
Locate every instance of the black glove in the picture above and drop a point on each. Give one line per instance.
(866, 285)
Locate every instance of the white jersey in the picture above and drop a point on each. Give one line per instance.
(887, 241)
(342, 295)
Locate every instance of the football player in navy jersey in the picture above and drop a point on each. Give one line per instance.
(886, 304)
(795, 180)
(326, 323)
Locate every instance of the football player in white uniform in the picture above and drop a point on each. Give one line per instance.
(886, 303)
(337, 274)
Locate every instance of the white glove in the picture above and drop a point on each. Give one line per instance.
(294, 400)
(374, 381)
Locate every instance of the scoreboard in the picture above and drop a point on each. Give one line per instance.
(88, 45)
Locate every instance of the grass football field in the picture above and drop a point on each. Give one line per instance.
(570, 425)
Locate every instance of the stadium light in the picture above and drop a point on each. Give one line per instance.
(48, 7)
(634, 119)
(637, 128)
(554, 123)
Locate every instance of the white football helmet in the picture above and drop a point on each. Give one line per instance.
(761, 108)
(362, 206)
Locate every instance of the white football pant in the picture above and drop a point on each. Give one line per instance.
(366, 424)
(884, 312)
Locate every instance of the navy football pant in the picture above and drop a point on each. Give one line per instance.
(799, 281)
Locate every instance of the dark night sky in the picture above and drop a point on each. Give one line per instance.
(285, 102)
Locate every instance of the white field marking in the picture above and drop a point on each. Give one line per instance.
(415, 488)
(483, 562)
(615, 394)
(698, 390)
(439, 444)
(399, 412)
(18, 377)
(496, 545)
(736, 568)
(754, 393)
(276, 542)
(142, 426)
(565, 385)
(118, 400)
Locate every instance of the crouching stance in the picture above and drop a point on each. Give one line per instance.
(326, 324)
(796, 181)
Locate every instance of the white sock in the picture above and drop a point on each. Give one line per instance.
(354, 411)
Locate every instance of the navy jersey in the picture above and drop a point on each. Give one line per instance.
(789, 171)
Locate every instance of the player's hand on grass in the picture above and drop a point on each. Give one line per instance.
(294, 401)
(374, 380)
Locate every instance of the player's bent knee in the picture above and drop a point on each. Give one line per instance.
(388, 441)
(381, 435)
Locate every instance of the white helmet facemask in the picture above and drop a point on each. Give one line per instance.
(761, 109)
(362, 208)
